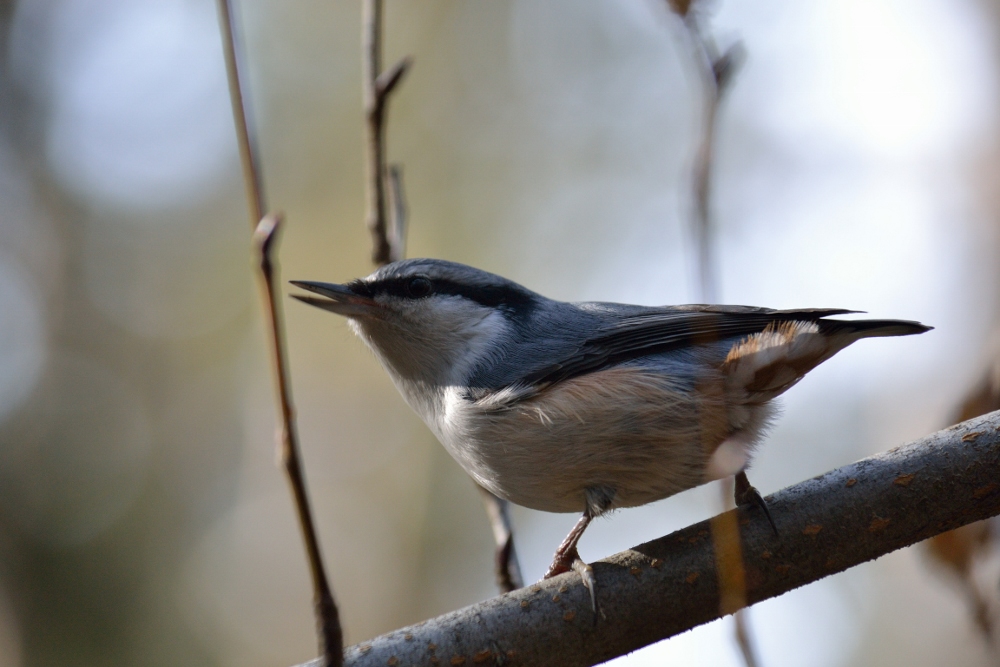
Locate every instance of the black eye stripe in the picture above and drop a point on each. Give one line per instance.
(492, 296)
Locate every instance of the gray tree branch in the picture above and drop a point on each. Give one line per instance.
(659, 589)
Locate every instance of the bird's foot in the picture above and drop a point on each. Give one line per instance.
(746, 494)
(565, 561)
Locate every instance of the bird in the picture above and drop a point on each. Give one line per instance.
(585, 407)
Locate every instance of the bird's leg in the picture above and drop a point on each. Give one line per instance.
(568, 558)
(747, 494)
(566, 554)
(598, 501)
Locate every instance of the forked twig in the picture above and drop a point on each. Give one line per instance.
(378, 86)
(387, 220)
(266, 228)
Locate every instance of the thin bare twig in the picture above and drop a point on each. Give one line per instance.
(507, 567)
(716, 72)
(387, 223)
(744, 637)
(731, 573)
(241, 114)
(378, 86)
(327, 614)
(828, 524)
(266, 227)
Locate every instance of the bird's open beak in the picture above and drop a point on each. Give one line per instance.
(338, 299)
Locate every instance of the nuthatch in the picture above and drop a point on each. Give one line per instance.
(585, 407)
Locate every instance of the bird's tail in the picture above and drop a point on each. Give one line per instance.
(872, 328)
(766, 364)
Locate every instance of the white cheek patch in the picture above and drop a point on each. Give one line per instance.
(431, 346)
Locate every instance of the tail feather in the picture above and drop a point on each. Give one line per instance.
(873, 328)
(764, 365)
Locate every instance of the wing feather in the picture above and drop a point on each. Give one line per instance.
(660, 330)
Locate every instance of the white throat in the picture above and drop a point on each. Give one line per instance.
(429, 348)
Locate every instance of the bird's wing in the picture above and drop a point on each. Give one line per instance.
(655, 330)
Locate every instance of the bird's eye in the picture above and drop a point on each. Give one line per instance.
(418, 287)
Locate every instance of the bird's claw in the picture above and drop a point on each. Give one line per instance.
(589, 581)
(747, 494)
(563, 562)
(570, 560)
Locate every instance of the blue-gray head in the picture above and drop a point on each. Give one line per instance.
(429, 320)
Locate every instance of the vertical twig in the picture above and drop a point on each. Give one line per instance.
(266, 229)
(248, 148)
(508, 569)
(387, 220)
(378, 86)
(716, 73)
(327, 614)
(732, 575)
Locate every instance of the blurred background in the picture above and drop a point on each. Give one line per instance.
(142, 518)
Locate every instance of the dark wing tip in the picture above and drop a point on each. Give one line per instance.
(814, 313)
(874, 328)
(728, 309)
(904, 328)
(920, 327)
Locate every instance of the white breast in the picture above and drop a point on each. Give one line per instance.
(627, 429)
